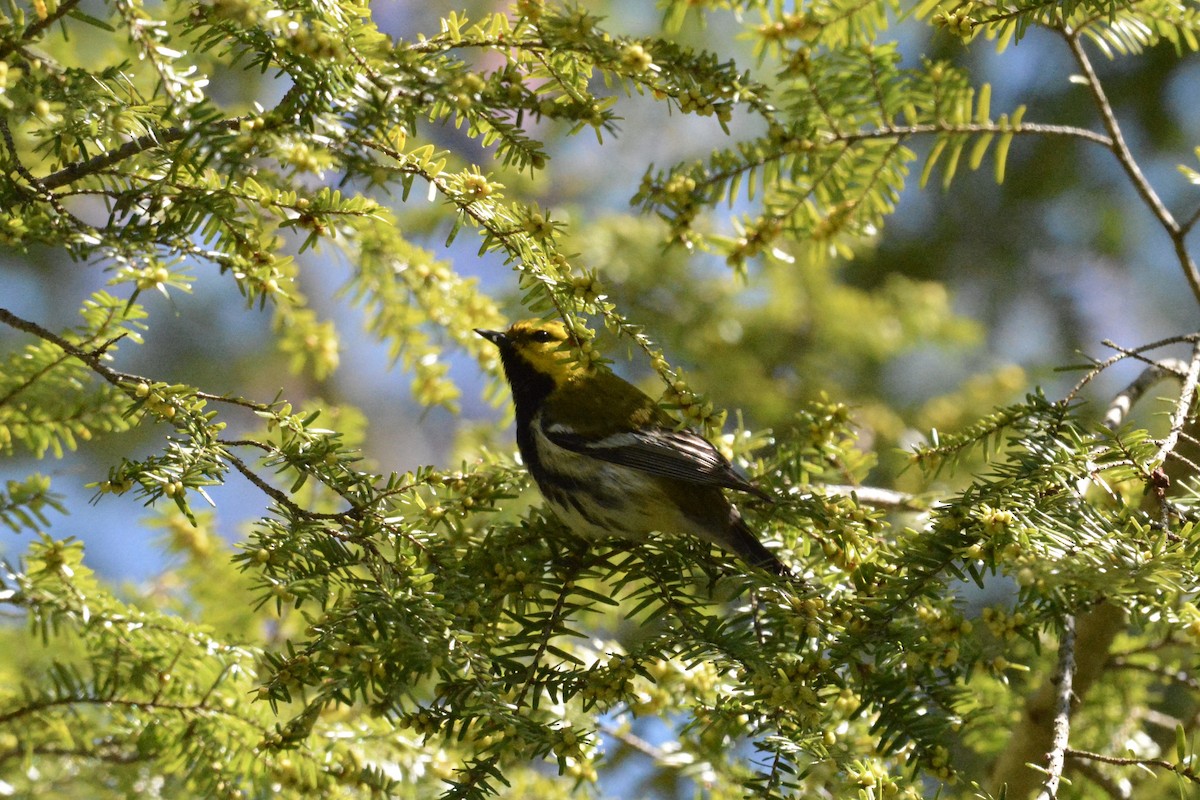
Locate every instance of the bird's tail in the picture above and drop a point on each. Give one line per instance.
(743, 542)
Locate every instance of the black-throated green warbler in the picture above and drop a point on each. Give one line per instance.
(608, 460)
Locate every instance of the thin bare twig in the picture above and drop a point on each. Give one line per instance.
(92, 358)
(1136, 352)
(275, 494)
(1132, 762)
(661, 755)
(1064, 677)
(1128, 352)
(1026, 128)
(1120, 149)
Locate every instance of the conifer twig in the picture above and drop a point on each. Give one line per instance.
(79, 169)
(94, 360)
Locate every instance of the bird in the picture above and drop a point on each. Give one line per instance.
(608, 460)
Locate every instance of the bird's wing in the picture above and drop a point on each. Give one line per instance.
(679, 454)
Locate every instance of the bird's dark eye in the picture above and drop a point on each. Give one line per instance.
(542, 336)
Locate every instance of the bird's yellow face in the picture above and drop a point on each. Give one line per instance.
(543, 345)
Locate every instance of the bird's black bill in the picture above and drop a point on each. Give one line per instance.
(495, 337)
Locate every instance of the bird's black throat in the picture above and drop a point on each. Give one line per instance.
(530, 388)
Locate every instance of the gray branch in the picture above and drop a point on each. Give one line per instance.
(1064, 678)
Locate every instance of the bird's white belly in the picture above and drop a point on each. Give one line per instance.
(598, 498)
